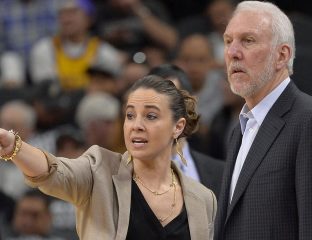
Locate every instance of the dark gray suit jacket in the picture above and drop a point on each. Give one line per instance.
(273, 195)
(209, 169)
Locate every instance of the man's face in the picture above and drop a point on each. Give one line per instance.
(195, 58)
(249, 54)
(32, 217)
(73, 21)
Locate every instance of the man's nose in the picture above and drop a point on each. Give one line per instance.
(233, 50)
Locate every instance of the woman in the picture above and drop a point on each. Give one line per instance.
(140, 194)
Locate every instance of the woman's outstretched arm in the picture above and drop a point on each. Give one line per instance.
(30, 160)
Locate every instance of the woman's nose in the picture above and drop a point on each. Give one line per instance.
(138, 124)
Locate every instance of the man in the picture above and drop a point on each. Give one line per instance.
(6, 211)
(66, 56)
(266, 191)
(195, 57)
(19, 115)
(200, 167)
(32, 218)
(98, 115)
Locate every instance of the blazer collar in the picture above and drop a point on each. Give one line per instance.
(196, 212)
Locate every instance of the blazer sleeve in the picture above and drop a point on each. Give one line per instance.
(71, 179)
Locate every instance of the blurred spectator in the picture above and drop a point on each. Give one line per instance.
(23, 22)
(173, 73)
(21, 117)
(7, 205)
(102, 79)
(32, 218)
(129, 24)
(155, 55)
(198, 23)
(222, 124)
(194, 56)
(12, 71)
(66, 56)
(54, 106)
(63, 219)
(98, 116)
(219, 13)
(211, 22)
(130, 73)
(184, 8)
(69, 142)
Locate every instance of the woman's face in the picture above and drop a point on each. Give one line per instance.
(149, 128)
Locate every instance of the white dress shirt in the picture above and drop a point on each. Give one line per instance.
(189, 170)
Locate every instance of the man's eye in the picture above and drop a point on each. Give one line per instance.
(249, 40)
(227, 41)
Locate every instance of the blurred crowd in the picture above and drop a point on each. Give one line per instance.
(66, 65)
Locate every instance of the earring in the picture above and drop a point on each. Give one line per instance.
(180, 152)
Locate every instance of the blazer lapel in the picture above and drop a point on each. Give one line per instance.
(195, 214)
(195, 209)
(122, 182)
(268, 132)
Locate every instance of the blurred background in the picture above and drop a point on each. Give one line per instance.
(61, 61)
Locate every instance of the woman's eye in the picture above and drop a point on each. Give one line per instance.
(151, 116)
(129, 116)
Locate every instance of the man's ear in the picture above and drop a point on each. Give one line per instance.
(284, 54)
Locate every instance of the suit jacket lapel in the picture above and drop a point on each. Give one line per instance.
(122, 182)
(264, 139)
(235, 142)
(227, 177)
(268, 132)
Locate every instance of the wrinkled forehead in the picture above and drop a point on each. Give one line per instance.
(245, 21)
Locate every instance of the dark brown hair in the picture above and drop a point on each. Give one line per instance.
(182, 104)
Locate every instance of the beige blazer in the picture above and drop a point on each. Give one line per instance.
(98, 183)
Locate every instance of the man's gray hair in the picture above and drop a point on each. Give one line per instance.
(97, 106)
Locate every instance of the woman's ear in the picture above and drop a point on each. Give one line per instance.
(179, 127)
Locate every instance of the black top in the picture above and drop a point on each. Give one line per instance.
(145, 225)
